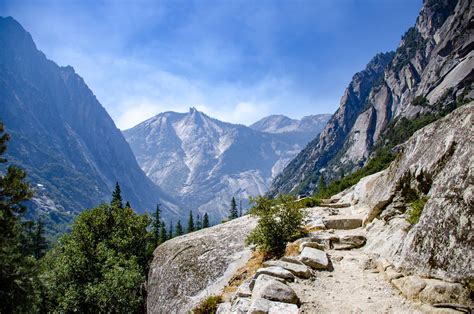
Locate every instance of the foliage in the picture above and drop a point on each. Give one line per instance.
(233, 212)
(101, 265)
(205, 221)
(307, 202)
(208, 305)
(156, 225)
(117, 197)
(280, 221)
(190, 222)
(179, 228)
(40, 245)
(163, 233)
(416, 208)
(17, 273)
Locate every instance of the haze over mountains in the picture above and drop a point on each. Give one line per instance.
(63, 137)
(204, 162)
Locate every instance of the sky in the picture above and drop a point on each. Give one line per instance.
(235, 60)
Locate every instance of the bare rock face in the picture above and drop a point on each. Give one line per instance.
(434, 63)
(189, 268)
(437, 162)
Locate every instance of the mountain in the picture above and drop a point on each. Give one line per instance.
(204, 162)
(429, 75)
(63, 137)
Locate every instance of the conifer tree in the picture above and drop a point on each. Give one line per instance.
(40, 245)
(190, 222)
(198, 222)
(233, 213)
(163, 233)
(179, 228)
(156, 224)
(127, 205)
(117, 197)
(322, 183)
(170, 233)
(205, 221)
(16, 274)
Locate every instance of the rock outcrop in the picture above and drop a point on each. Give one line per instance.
(436, 163)
(430, 73)
(187, 269)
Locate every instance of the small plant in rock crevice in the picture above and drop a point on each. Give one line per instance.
(416, 208)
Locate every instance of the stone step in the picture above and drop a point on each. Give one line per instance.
(335, 205)
(342, 223)
(261, 305)
(314, 258)
(299, 270)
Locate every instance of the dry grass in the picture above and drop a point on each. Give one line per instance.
(246, 272)
(292, 249)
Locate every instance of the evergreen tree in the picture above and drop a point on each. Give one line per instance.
(16, 265)
(190, 222)
(40, 245)
(233, 213)
(198, 222)
(156, 225)
(163, 233)
(322, 183)
(117, 197)
(205, 221)
(127, 205)
(179, 229)
(170, 233)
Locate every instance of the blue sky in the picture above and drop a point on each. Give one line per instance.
(235, 60)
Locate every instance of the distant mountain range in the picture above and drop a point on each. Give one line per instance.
(63, 137)
(203, 162)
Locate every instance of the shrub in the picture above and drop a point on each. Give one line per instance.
(208, 305)
(280, 222)
(416, 209)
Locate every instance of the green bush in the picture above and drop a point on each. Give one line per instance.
(280, 221)
(307, 202)
(416, 209)
(208, 305)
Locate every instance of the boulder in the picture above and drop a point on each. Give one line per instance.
(391, 273)
(410, 286)
(314, 245)
(263, 306)
(291, 259)
(263, 277)
(274, 290)
(437, 291)
(299, 270)
(348, 242)
(276, 271)
(240, 306)
(186, 269)
(342, 223)
(243, 291)
(314, 258)
(224, 308)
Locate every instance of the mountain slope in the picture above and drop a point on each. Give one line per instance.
(62, 136)
(430, 74)
(204, 162)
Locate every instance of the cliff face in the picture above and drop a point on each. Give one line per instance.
(437, 163)
(62, 136)
(434, 62)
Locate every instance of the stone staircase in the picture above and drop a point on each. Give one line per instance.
(332, 228)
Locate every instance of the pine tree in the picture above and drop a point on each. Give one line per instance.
(117, 197)
(205, 221)
(40, 245)
(17, 268)
(127, 205)
(198, 222)
(233, 213)
(156, 225)
(170, 233)
(322, 183)
(163, 233)
(179, 229)
(190, 222)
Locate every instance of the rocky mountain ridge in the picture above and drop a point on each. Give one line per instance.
(204, 162)
(429, 73)
(62, 136)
